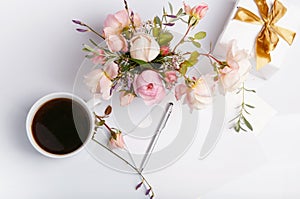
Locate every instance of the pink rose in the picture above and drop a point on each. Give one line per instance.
(197, 95)
(122, 17)
(117, 142)
(114, 24)
(117, 43)
(148, 85)
(198, 11)
(99, 81)
(126, 98)
(99, 57)
(237, 69)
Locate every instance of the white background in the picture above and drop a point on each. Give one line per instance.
(40, 53)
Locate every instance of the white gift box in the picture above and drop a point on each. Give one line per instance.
(246, 34)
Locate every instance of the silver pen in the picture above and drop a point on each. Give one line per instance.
(154, 140)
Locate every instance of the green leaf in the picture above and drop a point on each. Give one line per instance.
(200, 35)
(237, 127)
(247, 123)
(180, 11)
(138, 61)
(157, 21)
(188, 63)
(194, 58)
(156, 31)
(87, 48)
(100, 123)
(94, 43)
(191, 38)
(89, 56)
(250, 90)
(183, 68)
(247, 112)
(239, 91)
(171, 7)
(165, 38)
(164, 11)
(250, 106)
(197, 44)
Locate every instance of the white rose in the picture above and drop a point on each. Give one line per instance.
(144, 47)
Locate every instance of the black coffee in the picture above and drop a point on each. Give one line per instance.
(60, 126)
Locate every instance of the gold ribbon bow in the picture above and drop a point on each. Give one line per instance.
(267, 39)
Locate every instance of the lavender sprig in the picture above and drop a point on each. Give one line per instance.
(78, 22)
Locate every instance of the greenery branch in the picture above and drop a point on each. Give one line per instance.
(240, 121)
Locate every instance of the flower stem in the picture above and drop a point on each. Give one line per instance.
(92, 30)
(212, 57)
(182, 39)
(130, 16)
(125, 161)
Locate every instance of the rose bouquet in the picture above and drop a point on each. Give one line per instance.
(142, 59)
(138, 59)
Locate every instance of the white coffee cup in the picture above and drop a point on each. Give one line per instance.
(35, 108)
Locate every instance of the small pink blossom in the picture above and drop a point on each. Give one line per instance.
(126, 98)
(237, 69)
(197, 95)
(148, 85)
(117, 142)
(171, 76)
(99, 57)
(165, 50)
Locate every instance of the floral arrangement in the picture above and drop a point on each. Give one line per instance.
(142, 59)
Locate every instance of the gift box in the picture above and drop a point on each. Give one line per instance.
(246, 34)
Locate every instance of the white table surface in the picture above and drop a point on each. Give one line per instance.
(40, 53)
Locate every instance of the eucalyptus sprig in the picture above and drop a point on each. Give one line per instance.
(240, 121)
